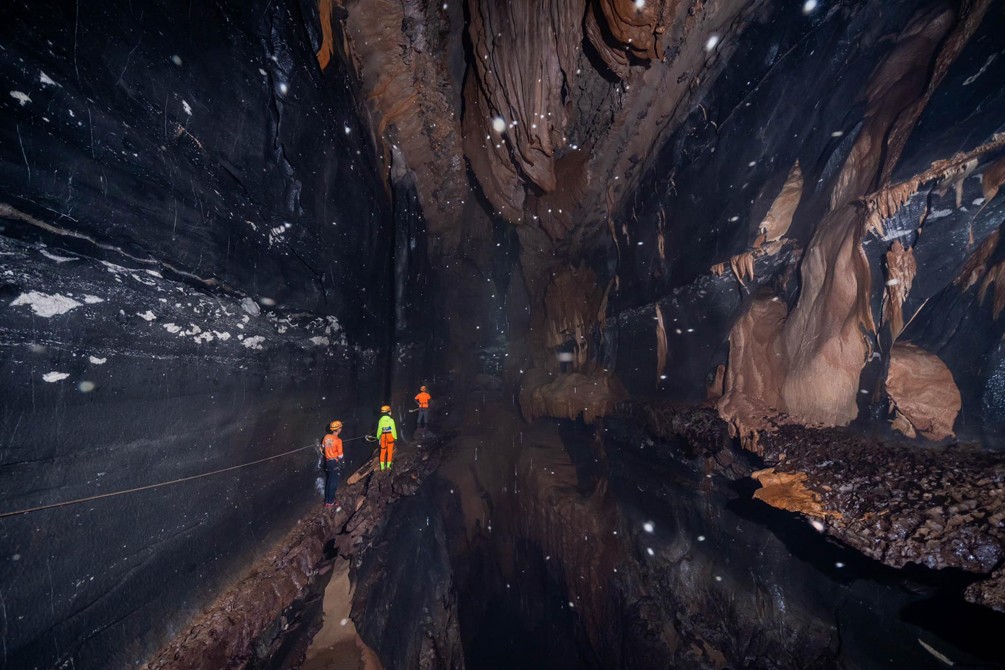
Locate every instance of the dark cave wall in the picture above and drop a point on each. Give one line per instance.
(794, 90)
(196, 273)
(960, 323)
(716, 177)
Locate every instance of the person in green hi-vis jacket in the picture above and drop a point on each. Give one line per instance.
(387, 433)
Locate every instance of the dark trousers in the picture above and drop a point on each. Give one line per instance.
(332, 470)
(423, 419)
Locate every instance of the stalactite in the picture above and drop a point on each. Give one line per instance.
(661, 343)
(949, 172)
(977, 269)
(779, 218)
(324, 53)
(992, 178)
(900, 270)
(742, 266)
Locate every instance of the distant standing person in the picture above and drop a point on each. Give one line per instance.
(387, 434)
(566, 355)
(332, 450)
(423, 400)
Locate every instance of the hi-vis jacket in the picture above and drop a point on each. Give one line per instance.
(387, 425)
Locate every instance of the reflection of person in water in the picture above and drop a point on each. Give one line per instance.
(566, 353)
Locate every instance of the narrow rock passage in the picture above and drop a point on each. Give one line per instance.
(336, 646)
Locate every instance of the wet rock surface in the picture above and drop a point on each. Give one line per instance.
(938, 507)
(629, 550)
(265, 619)
(898, 503)
(192, 246)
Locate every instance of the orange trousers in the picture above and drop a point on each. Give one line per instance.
(386, 451)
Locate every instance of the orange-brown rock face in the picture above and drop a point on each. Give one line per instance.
(626, 32)
(524, 59)
(778, 219)
(754, 374)
(402, 53)
(573, 306)
(922, 392)
(570, 396)
(787, 490)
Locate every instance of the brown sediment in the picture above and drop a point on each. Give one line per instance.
(337, 646)
(990, 593)
(787, 490)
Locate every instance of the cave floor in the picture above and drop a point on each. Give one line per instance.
(563, 545)
(572, 546)
(337, 646)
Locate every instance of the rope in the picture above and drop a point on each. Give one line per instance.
(65, 503)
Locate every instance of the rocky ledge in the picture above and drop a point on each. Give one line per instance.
(897, 503)
(252, 620)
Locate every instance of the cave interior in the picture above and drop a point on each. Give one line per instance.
(707, 294)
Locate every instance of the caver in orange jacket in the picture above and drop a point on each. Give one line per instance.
(332, 447)
(423, 400)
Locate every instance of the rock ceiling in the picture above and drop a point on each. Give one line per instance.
(556, 113)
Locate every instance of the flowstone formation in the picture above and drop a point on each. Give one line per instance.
(790, 192)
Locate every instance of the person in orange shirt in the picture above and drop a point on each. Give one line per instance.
(331, 447)
(423, 399)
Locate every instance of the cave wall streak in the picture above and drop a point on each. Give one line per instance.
(196, 243)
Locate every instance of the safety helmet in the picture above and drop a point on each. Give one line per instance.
(334, 425)
(422, 388)
(385, 409)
